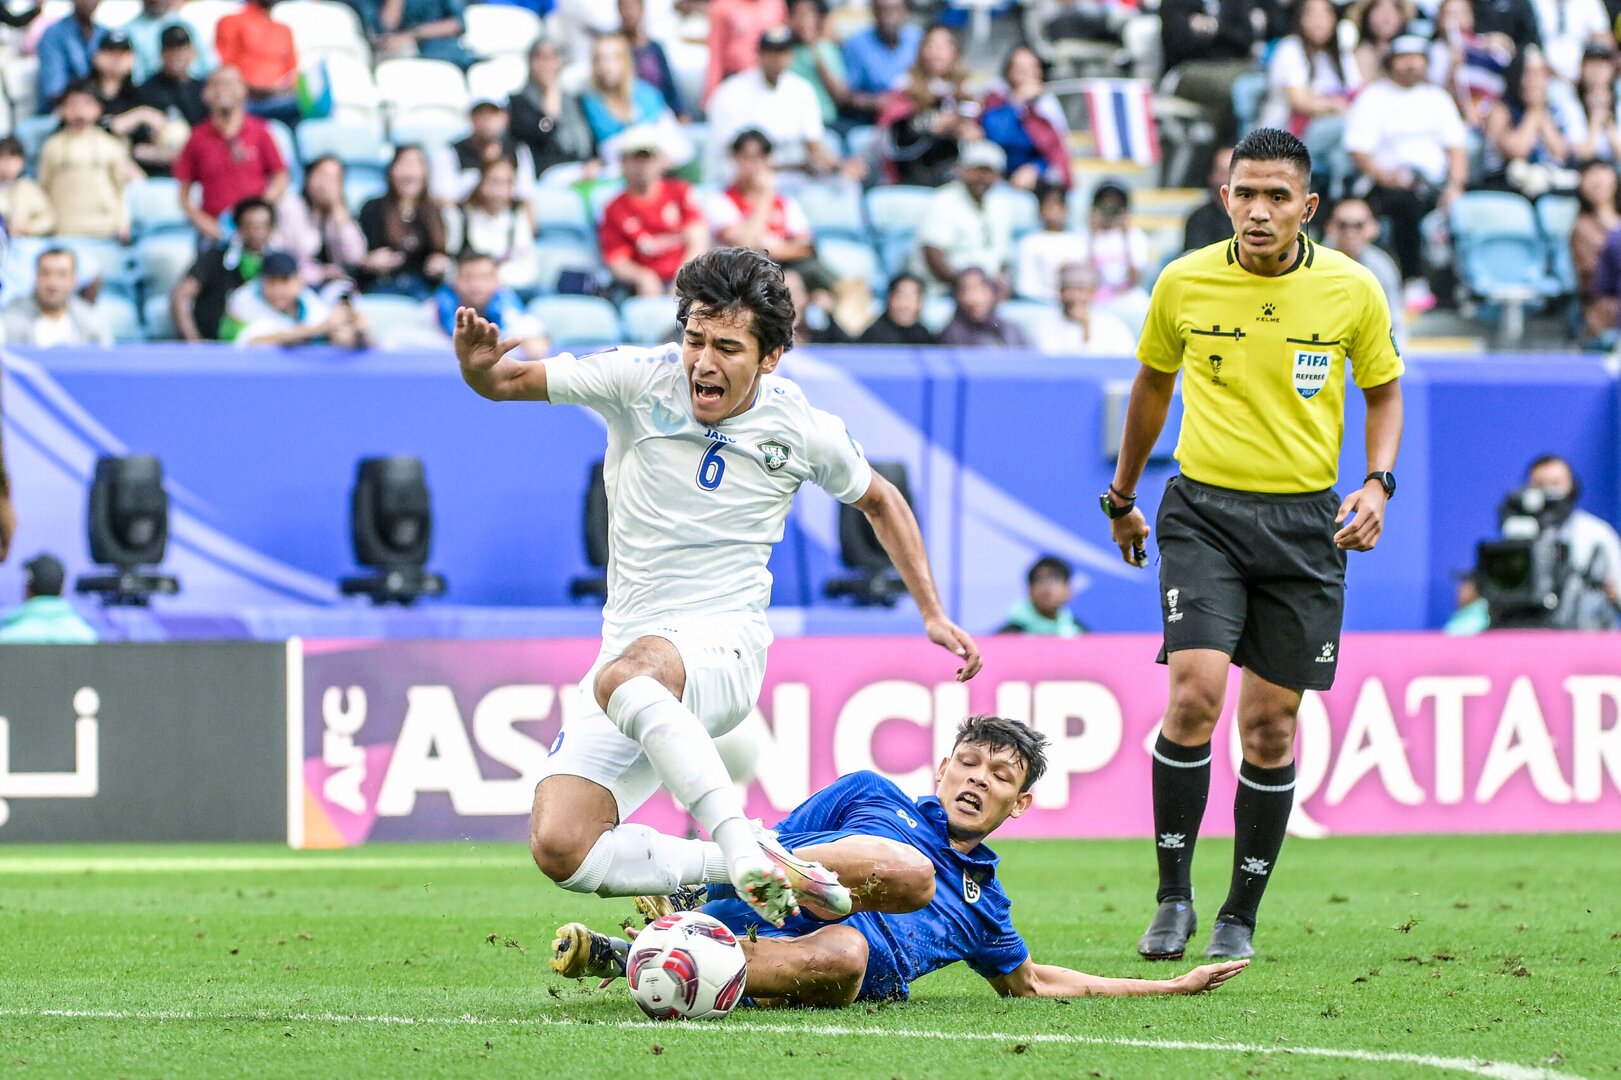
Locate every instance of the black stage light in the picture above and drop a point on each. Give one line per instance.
(392, 526)
(875, 582)
(128, 525)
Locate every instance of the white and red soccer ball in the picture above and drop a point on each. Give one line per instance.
(686, 966)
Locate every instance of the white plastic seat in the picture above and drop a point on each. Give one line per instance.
(204, 16)
(322, 28)
(499, 77)
(414, 87)
(499, 29)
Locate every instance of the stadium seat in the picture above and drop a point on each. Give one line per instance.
(204, 16)
(1029, 316)
(362, 183)
(109, 260)
(121, 316)
(562, 212)
(322, 29)
(354, 92)
(162, 259)
(115, 14)
(1248, 89)
(578, 321)
(853, 259)
(19, 75)
(555, 257)
(1501, 255)
(937, 311)
(5, 116)
(834, 209)
(862, 142)
(159, 319)
(382, 310)
(894, 212)
(416, 88)
(154, 206)
(1022, 207)
(428, 130)
(351, 142)
(499, 77)
(649, 320)
(1556, 217)
(288, 148)
(603, 192)
(499, 29)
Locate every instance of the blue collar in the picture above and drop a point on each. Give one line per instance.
(929, 806)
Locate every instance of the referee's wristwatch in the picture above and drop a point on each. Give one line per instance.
(1110, 509)
(1387, 480)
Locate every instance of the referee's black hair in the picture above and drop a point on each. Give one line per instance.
(1000, 733)
(738, 279)
(1273, 144)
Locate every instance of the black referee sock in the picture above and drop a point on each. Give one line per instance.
(1181, 789)
(1260, 818)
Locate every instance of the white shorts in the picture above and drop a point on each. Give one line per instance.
(724, 658)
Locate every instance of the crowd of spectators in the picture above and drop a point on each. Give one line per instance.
(681, 124)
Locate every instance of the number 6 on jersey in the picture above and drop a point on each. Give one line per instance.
(711, 468)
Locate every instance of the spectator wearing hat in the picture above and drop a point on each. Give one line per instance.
(53, 314)
(428, 28)
(772, 99)
(198, 300)
(146, 35)
(754, 213)
(477, 284)
(1043, 609)
(23, 206)
(112, 68)
(876, 59)
(458, 166)
(65, 51)
(230, 157)
(45, 618)
(277, 308)
(1080, 329)
(652, 227)
(83, 170)
(1041, 254)
(494, 221)
(901, 322)
(545, 117)
(962, 226)
(262, 51)
(976, 322)
(176, 94)
(1407, 140)
(1118, 251)
(735, 27)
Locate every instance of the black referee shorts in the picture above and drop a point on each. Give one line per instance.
(1255, 576)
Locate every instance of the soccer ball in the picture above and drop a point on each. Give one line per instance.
(686, 966)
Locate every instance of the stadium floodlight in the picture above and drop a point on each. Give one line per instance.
(128, 526)
(391, 522)
(875, 582)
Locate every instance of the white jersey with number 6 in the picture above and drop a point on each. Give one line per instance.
(694, 509)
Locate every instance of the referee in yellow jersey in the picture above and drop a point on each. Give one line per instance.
(1252, 537)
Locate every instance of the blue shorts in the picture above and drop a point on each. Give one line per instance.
(885, 979)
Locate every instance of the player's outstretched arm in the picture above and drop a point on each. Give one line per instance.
(1030, 979)
(896, 528)
(487, 363)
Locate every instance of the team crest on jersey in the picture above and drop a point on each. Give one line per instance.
(666, 419)
(1311, 371)
(776, 455)
(970, 888)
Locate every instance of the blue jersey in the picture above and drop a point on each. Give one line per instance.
(969, 919)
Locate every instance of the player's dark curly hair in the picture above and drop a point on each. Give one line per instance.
(1273, 144)
(732, 279)
(1000, 733)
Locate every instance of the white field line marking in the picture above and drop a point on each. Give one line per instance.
(168, 864)
(1472, 1066)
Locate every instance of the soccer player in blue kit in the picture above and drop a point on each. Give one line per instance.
(924, 884)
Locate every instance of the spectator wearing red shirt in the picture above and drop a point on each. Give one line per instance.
(230, 155)
(654, 225)
(262, 50)
(754, 213)
(735, 27)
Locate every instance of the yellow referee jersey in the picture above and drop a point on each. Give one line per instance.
(1263, 386)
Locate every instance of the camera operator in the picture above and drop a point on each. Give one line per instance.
(1557, 565)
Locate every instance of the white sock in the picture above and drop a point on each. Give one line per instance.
(634, 860)
(686, 761)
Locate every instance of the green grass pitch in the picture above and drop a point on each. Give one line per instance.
(1427, 956)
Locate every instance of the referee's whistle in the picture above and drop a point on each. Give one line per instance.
(1139, 555)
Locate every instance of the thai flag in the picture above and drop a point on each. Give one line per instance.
(1122, 118)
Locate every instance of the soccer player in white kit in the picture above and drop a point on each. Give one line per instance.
(706, 448)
